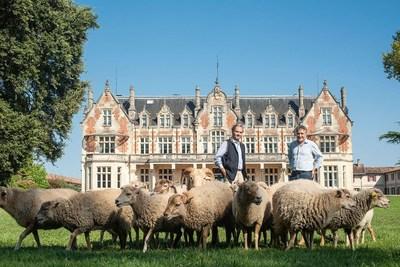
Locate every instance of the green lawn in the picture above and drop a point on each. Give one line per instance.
(384, 252)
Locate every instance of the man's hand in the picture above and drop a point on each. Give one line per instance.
(223, 171)
(314, 172)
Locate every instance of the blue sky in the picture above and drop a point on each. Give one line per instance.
(266, 47)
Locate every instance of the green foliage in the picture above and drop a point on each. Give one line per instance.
(32, 175)
(383, 252)
(41, 46)
(391, 60)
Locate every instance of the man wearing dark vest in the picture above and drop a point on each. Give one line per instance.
(230, 157)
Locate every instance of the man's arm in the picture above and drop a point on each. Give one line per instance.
(318, 157)
(218, 157)
(290, 156)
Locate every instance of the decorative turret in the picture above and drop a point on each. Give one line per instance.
(301, 102)
(107, 87)
(325, 87)
(132, 108)
(197, 99)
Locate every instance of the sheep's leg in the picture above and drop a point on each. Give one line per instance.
(88, 243)
(205, 233)
(256, 233)
(102, 236)
(146, 240)
(304, 236)
(214, 235)
(245, 238)
(371, 231)
(322, 242)
(36, 236)
(310, 235)
(349, 234)
(73, 236)
(177, 238)
(137, 235)
(335, 238)
(22, 236)
(122, 239)
(291, 241)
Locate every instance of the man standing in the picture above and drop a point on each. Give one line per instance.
(304, 156)
(230, 157)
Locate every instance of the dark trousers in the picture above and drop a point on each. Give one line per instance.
(295, 175)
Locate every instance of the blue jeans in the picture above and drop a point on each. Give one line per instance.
(295, 175)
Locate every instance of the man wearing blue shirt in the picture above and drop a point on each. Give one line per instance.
(230, 157)
(304, 156)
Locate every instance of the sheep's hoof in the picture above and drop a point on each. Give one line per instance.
(17, 248)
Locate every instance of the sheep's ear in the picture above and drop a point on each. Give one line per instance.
(3, 194)
(339, 193)
(187, 171)
(56, 203)
(373, 195)
(209, 174)
(186, 197)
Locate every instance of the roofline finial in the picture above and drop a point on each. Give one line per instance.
(216, 79)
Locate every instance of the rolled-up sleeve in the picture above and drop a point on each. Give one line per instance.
(220, 153)
(318, 157)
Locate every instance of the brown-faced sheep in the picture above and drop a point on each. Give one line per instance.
(295, 209)
(84, 212)
(202, 207)
(167, 186)
(149, 208)
(196, 177)
(349, 219)
(24, 205)
(249, 204)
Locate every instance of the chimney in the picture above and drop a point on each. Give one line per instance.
(237, 97)
(197, 99)
(132, 108)
(343, 95)
(301, 102)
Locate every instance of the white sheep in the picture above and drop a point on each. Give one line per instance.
(365, 224)
(149, 209)
(249, 205)
(203, 207)
(302, 206)
(24, 205)
(84, 212)
(196, 177)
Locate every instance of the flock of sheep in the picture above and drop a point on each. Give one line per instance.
(200, 205)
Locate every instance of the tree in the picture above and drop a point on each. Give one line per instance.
(391, 63)
(41, 46)
(32, 175)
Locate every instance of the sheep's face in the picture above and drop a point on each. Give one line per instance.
(163, 186)
(176, 207)
(250, 192)
(378, 199)
(346, 201)
(197, 177)
(4, 192)
(127, 196)
(46, 214)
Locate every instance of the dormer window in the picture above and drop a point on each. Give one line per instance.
(270, 120)
(326, 116)
(249, 120)
(144, 120)
(185, 120)
(290, 120)
(165, 120)
(107, 117)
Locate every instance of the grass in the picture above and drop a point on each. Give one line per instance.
(384, 252)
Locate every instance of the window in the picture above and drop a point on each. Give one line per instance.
(289, 139)
(165, 145)
(326, 116)
(331, 176)
(185, 144)
(217, 115)
(165, 120)
(250, 143)
(271, 176)
(266, 121)
(204, 143)
(144, 176)
(144, 120)
(165, 174)
(104, 177)
(217, 137)
(185, 120)
(144, 145)
(119, 177)
(290, 120)
(249, 121)
(393, 191)
(89, 174)
(251, 174)
(328, 143)
(371, 178)
(271, 144)
(270, 121)
(273, 121)
(106, 117)
(107, 144)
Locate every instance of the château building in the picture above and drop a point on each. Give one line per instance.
(128, 138)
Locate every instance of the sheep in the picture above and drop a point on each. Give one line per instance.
(84, 212)
(149, 209)
(167, 186)
(24, 205)
(249, 205)
(196, 177)
(203, 207)
(363, 225)
(349, 220)
(302, 206)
